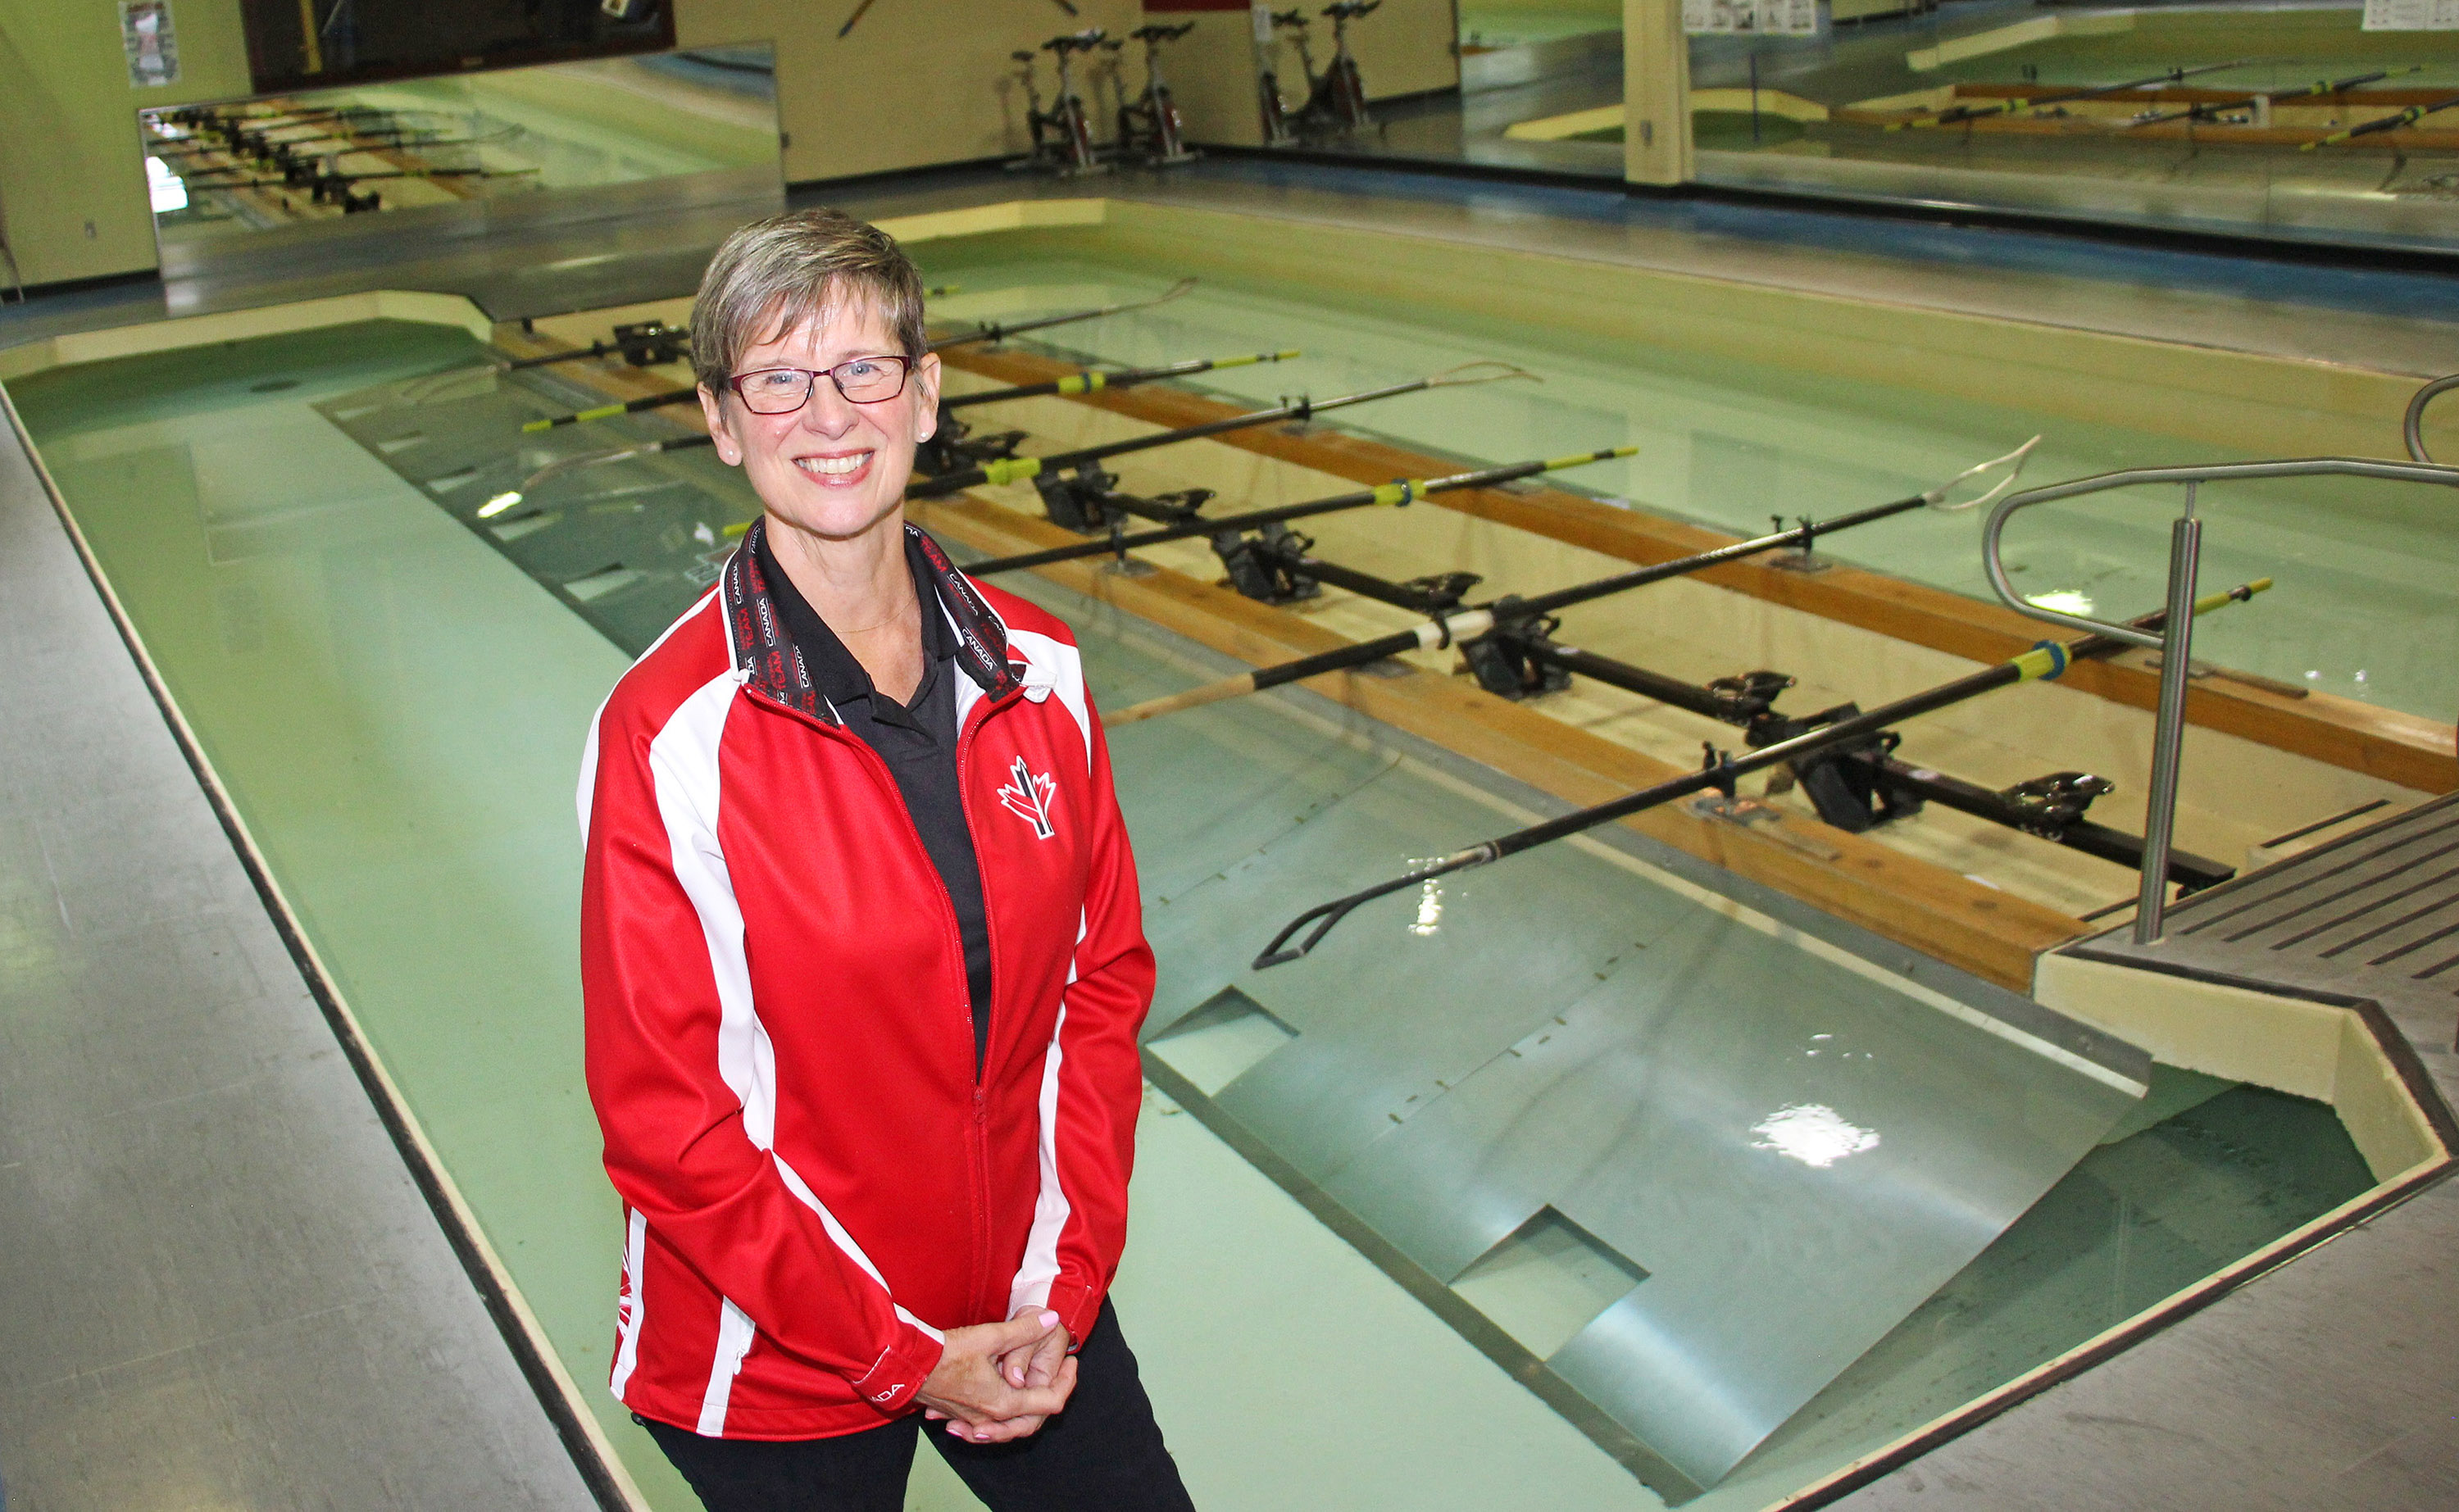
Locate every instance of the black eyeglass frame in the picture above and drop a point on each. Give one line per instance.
(811, 377)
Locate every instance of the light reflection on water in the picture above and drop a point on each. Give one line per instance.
(1812, 1133)
(1430, 903)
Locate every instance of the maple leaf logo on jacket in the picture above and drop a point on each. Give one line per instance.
(1028, 797)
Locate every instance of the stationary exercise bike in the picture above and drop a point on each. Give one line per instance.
(1063, 137)
(1148, 125)
(1337, 97)
(1275, 115)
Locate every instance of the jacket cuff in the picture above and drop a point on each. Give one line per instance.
(1077, 1305)
(896, 1376)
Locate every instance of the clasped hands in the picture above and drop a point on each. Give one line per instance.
(1000, 1382)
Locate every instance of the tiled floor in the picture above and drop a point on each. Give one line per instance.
(201, 1220)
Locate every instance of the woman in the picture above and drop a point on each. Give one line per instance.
(862, 959)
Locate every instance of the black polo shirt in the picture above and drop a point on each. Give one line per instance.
(917, 740)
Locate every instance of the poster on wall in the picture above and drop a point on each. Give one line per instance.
(2412, 16)
(1754, 17)
(152, 47)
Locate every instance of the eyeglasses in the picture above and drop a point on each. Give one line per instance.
(783, 390)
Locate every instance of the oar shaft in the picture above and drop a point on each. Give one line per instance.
(1680, 566)
(2317, 87)
(1464, 624)
(2406, 117)
(1001, 331)
(1395, 493)
(1095, 382)
(2045, 661)
(1965, 113)
(1018, 469)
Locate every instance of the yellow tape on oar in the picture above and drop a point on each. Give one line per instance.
(2049, 658)
(1010, 470)
(2046, 660)
(1400, 491)
(1585, 457)
(602, 412)
(1259, 357)
(1084, 382)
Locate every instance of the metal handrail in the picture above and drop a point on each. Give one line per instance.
(2412, 425)
(2174, 639)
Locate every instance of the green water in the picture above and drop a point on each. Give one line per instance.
(397, 707)
(2367, 603)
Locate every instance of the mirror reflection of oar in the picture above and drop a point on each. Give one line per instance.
(2406, 117)
(1398, 494)
(2319, 87)
(1438, 631)
(586, 459)
(1015, 470)
(998, 331)
(1073, 384)
(1094, 381)
(2008, 107)
(1722, 771)
(324, 180)
(649, 342)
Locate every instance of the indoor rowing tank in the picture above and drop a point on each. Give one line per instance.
(1737, 1180)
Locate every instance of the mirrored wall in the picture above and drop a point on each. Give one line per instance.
(2319, 120)
(2334, 122)
(555, 141)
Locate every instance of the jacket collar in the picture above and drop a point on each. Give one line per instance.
(766, 660)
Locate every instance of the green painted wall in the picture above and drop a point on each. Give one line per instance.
(73, 199)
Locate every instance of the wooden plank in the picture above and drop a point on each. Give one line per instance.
(1992, 933)
(2399, 748)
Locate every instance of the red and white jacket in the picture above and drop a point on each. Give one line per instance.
(780, 1039)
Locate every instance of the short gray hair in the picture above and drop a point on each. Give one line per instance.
(772, 274)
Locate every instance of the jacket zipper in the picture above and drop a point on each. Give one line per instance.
(978, 1136)
(981, 1151)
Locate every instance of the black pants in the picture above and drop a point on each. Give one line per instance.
(1103, 1453)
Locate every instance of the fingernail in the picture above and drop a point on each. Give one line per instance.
(1049, 1319)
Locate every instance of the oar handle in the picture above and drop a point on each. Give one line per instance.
(2047, 659)
(1015, 470)
(1398, 492)
(1193, 697)
(994, 331)
(1084, 383)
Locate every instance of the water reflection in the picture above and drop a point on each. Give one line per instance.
(1812, 1133)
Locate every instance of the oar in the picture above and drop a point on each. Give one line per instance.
(391, 135)
(587, 459)
(611, 348)
(2008, 107)
(1398, 494)
(1074, 384)
(2317, 87)
(417, 390)
(2047, 659)
(364, 178)
(1461, 624)
(996, 332)
(1015, 470)
(1011, 469)
(2406, 117)
(1084, 383)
